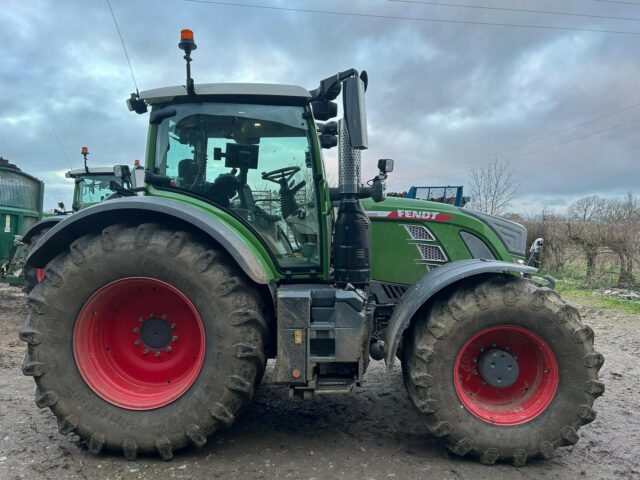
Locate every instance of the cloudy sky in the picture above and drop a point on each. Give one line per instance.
(444, 96)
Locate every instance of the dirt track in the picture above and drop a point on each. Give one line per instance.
(372, 434)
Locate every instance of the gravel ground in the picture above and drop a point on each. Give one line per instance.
(373, 434)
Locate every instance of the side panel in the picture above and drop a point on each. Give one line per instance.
(409, 237)
(429, 286)
(255, 262)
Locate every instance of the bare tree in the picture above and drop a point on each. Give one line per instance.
(622, 232)
(588, 237)
(493, 188)
(588, 208)
(584, 232)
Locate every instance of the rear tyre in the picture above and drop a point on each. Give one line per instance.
(144, 339)
(502, 369)
(32, 275)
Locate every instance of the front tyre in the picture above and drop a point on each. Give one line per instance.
(502, 369)
(143, 339)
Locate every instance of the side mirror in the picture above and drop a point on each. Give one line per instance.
(385, 165)
(354, 112)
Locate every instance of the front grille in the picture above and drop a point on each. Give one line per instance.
(432, 253)
(418, 232)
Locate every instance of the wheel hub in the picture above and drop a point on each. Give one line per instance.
(499, 368)
(156, 333)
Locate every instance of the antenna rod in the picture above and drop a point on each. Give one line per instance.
(64, 152)
(135, 84)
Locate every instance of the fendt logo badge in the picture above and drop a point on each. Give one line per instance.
(412, 214)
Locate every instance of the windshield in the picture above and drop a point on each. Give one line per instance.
(255, 161)
(94, 189)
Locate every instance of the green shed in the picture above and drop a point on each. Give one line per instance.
(21, 198)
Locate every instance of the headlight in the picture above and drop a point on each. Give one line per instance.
(511, 233)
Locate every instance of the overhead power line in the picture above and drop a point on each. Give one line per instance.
(618, 1)
(135, 84)
(415, 19)
(538, 139)
(526, 154)
(513, 10)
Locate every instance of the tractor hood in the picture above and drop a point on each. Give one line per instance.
(410, 237)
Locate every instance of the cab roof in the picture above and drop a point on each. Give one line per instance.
(168, 94)
(81, 172)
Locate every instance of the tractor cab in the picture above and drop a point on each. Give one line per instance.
(249, 150)
(91, 187)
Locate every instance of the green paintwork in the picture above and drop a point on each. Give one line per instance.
(252, 240)
(232, 222)
(394, 256)
(21, 198)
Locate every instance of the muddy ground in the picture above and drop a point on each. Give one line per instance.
(373, 434)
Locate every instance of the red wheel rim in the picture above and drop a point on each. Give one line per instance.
(531, 392)
(139, 343)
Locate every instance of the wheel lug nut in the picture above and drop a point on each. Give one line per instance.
(137, 342)
(169, 349)
(136, 330)
(165, 316)
(145, 351)
(140, 319)
(158, 354)
(173, 325)
(174, 338)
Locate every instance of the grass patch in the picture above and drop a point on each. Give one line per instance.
(569, 290)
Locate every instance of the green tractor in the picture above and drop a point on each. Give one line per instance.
(159, 309)
(91, 186)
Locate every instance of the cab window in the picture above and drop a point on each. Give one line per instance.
(253, 160)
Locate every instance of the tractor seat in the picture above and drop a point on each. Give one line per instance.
(187, 171)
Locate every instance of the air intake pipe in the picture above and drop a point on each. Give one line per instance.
(352, 239)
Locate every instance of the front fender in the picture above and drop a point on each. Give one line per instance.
(151, 209)
(432, 283)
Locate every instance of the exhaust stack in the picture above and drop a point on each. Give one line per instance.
(352, 243)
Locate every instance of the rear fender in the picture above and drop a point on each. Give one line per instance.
(152, 209)
(428, 287)
(44, 224)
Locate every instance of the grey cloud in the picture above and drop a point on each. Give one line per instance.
(440, 94)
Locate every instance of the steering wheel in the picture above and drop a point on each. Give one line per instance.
(281, 176)
(288, 202)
